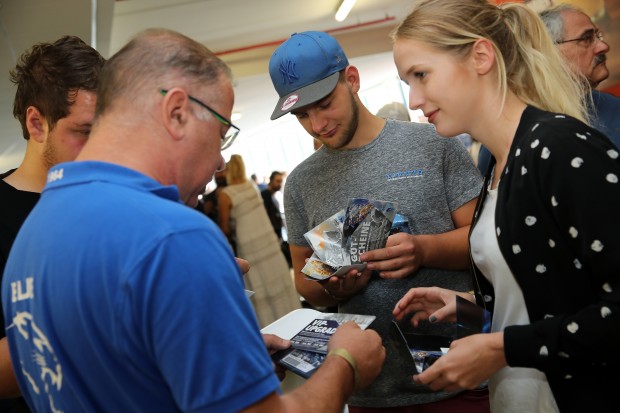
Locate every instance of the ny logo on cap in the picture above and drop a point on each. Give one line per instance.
(287, 69)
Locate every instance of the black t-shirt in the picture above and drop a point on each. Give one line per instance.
(15, 205)
(273, 211)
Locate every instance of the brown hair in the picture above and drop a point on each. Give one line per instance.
(49, 75)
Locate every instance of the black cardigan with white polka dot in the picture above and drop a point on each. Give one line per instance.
(557, 223)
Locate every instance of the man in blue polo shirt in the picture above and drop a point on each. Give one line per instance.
(107, 306)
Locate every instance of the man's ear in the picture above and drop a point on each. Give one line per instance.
(352, 78)
(483, 56)
(36, 124)
(175, 112)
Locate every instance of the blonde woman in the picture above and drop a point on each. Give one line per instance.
(544, 239)
(244, 220)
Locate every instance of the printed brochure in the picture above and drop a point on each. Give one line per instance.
(424, 349)
(339, 241)
(309, 344)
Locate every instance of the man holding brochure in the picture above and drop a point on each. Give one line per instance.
(107, 307)
(431, 179)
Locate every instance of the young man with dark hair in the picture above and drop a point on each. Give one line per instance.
(55, 105)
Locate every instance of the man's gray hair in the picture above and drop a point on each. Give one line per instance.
(554, 21)
(156, 59)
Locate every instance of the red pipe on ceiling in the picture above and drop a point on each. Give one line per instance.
(278, 42)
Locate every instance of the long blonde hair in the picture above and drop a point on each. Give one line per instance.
(235, 170)
(526, 60)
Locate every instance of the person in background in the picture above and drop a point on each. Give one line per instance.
(209, 201)
(272, 205)
(243, 219)
(394, 110)
(200, 206)
(260, 185)
(432, 180)
(55, 105)
(544, 241)
(583, 46)
(128, 300)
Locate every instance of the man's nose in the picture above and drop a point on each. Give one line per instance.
(317, 122)
(601, 46)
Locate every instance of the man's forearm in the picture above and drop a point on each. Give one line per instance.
(313, 292)
(447, 251)
(326, 391)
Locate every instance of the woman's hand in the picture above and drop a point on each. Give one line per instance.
(469, 362)
(429, 303)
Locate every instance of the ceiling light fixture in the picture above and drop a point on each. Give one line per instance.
(344, 9)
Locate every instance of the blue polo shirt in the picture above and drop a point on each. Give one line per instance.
(120, 298)
(606, 115)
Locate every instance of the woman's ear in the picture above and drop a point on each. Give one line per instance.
(483, 56)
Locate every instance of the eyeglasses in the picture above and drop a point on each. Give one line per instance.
(587, 39)
(231, 134)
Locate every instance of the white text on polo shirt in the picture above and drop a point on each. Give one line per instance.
(55, 175)
(19, 293)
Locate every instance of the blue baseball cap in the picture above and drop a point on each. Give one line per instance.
(304, 69)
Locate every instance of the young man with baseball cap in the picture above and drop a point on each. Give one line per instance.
(431, 178)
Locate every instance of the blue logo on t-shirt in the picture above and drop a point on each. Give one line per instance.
(414, 173)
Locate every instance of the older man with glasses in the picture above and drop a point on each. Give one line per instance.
(119, 298)
(229, 136)
(583, 46)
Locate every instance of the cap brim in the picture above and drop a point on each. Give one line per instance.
(305, 95)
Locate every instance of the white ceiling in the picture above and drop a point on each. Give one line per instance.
(225, 26)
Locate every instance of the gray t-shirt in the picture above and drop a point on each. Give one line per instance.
(429, 177)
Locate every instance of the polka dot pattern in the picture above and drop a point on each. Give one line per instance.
(558, 235)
